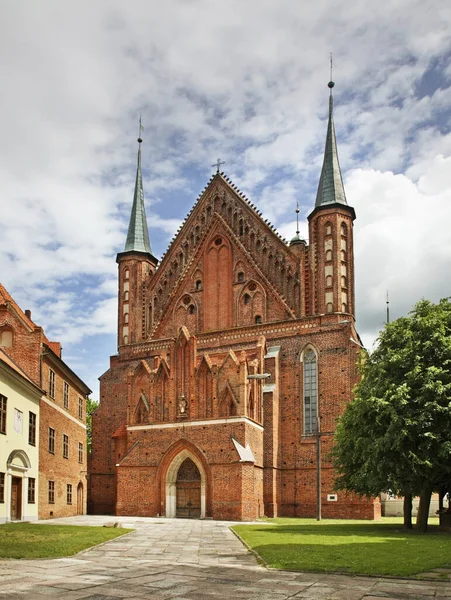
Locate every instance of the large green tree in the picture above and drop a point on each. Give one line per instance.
(91, 406)
(395, 435)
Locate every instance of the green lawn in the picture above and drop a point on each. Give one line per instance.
(25, 540)
(357, 547)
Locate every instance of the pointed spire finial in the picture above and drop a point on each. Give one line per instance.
(218, 164)
(387, 302)
(297, 218)
(141, 128)
(330, 188)
(138, 233)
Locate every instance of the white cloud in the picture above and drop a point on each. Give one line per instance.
(240, 80)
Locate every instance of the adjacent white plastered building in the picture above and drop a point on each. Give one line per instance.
(18, 457)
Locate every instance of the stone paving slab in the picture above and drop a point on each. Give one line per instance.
(167, 559)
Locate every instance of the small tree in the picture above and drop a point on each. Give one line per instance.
(91, 406)
(396, 433)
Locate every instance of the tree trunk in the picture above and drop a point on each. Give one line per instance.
(407, 511)
(423, 508)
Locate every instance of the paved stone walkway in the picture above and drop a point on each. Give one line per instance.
(186, 560)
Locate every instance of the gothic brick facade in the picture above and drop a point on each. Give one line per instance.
(227, 352)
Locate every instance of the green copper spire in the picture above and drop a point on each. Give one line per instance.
(330, 188)
(138, 234)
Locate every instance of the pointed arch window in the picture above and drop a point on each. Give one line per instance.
(310, 372)
(247, 299)
(328, 228)
(344, 230)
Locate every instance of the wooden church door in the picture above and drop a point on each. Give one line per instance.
(188, 490)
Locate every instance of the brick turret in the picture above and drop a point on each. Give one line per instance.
(136, 263)
(331, 235)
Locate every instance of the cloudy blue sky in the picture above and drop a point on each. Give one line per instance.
(242, 80)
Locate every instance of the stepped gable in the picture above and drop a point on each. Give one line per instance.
(221, 202)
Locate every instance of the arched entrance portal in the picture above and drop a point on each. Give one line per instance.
(185, 487)
(188, 490)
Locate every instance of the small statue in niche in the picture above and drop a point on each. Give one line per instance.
(183, 405)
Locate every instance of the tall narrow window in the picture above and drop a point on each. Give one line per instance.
(310, 392)
(31, 490)
(65, 446)
(2, 488)
(69, 493)
(80, 452)
(51, 440)
(66, 394)
(80, 408)
(3, 402)
(51, 383)
(126, 273)
(51, 492)
(32, 429)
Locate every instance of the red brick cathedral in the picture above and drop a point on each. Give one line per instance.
(230, 350)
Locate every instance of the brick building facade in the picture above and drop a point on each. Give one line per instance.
(228, 351)
(61, 487)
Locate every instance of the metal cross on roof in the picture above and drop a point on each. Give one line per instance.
(218, 163)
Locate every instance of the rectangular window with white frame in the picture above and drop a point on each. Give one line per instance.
(65, 446)
(32, 428)
(51, 383)
(51, 492)
(51, 440)
(3, 405)
(66, 394)
(31, 490)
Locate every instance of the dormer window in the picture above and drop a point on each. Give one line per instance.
(6, 337)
